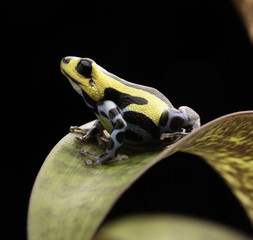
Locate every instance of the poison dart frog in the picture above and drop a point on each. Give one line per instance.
(129, 112)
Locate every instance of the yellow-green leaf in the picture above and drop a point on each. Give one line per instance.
(227, 145)
(70, 200)
(164, 227)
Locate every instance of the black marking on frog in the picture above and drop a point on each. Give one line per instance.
(121, 99)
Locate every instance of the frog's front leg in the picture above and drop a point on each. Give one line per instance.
(111, 111)
(97, 131)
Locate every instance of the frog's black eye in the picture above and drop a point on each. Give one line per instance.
(84, 68)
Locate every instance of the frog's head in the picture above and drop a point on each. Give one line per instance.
(85, 76)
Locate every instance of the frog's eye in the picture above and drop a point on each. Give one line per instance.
(84, 68)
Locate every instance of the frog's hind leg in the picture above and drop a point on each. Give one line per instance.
(111, 111)
(97, 131)
(169, 138)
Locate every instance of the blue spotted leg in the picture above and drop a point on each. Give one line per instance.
(110, 112)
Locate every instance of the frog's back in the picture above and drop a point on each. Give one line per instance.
(148, 89)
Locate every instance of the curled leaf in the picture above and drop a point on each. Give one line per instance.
(227, 145)
(164, 227)
(69, 200)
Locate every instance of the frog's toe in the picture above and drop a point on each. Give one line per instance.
(121, 157)
(96, 159)
(76, 129)
(174, 135)
(80, 139)
(89, 163)
(89, 155)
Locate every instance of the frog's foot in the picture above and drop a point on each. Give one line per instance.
(84, 132)
(97, 160)
(121, 157)
(172, 137)
(96, 131)
(76, 129)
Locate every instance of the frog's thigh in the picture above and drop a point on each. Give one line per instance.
(111, 111)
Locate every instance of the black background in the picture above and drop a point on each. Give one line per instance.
(196, 52)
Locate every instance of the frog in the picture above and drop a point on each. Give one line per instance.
(129, 113)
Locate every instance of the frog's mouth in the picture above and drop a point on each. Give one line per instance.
(75, 84)
(71, 79)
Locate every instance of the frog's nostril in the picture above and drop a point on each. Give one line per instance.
(66, 60)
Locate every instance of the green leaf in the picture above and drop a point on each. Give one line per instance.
(227, 145)
(70, 200)
(164, 227)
